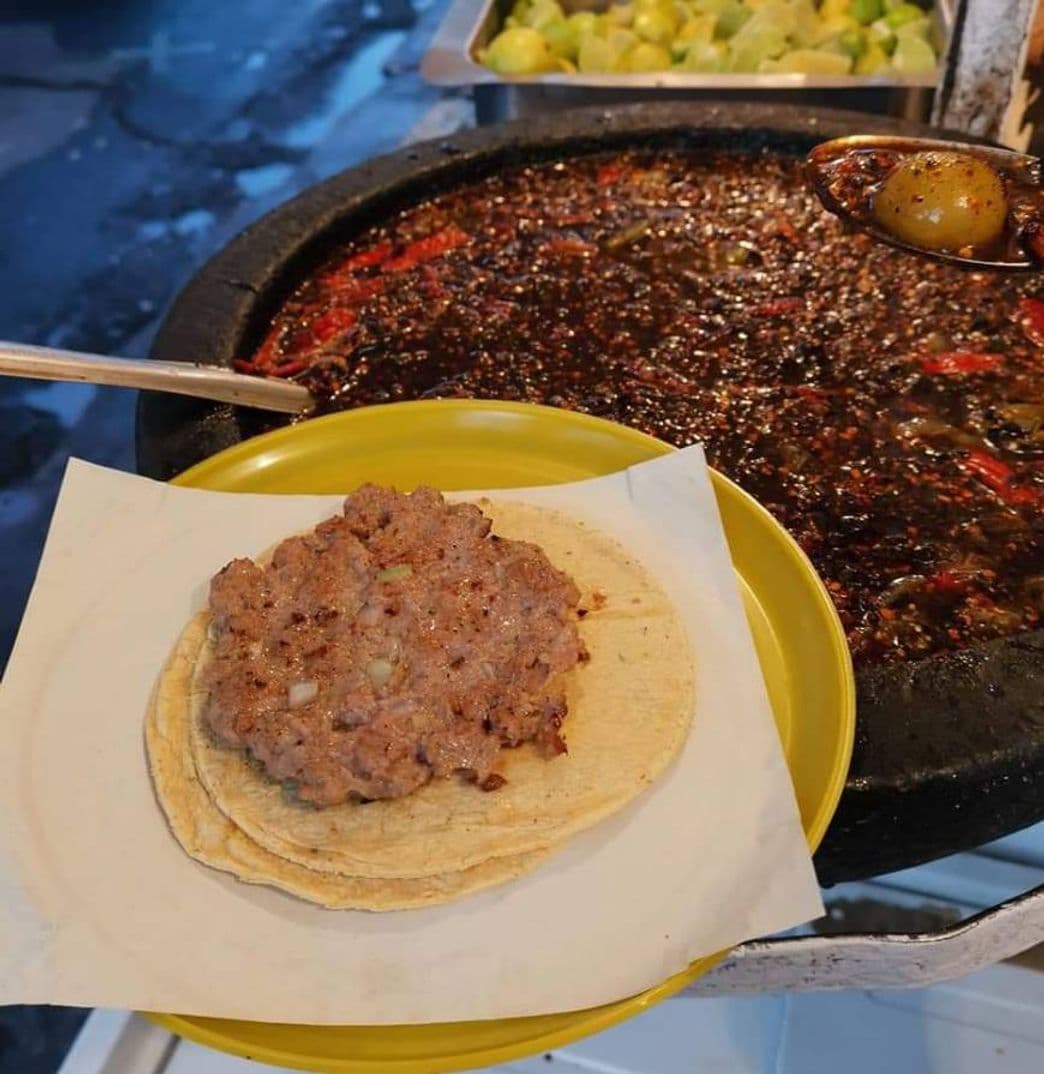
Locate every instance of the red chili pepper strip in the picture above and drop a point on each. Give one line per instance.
(997, 475)
(1031, 318)
(345, 275)
(571, 247)
(956, 362)
(987, 468)
(778, 307)
(945, 582)
(289, 369)
(426, 249)
(376, 255)
(1016, 495)
(241, 365)
(334, 322)
(350, 291)
(609, 173)
(268, 352)
(812, 394)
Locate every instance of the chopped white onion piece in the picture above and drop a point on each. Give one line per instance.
(379, 671)
(303, 692)
(395, 574)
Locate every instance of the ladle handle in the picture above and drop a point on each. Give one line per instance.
(182, 378)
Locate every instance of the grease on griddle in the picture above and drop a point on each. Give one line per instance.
(888, 410)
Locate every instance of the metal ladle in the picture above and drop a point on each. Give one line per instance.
(1023, 169)
(181, 378)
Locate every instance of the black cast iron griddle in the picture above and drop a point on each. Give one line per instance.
(949, 751)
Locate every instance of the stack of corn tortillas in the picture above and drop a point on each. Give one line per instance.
(630, 709)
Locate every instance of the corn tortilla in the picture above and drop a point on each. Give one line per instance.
(630, 709)
(209, 836)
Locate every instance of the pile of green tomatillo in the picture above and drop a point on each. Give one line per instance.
(828, 37)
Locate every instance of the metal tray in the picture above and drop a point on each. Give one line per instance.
(471, 24)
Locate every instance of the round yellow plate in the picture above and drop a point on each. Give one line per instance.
(461, 444)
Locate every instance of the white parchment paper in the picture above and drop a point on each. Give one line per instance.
(99, 906)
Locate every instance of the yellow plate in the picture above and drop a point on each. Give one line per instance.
(460, 444)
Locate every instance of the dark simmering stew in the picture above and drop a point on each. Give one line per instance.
(888, 410)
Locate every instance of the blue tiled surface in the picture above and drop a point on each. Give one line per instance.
(135, 139)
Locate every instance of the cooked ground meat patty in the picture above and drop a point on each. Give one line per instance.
(398, 642)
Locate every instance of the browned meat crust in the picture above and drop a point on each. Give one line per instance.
(398, 642)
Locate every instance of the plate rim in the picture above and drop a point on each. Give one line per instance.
(590, 1020)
